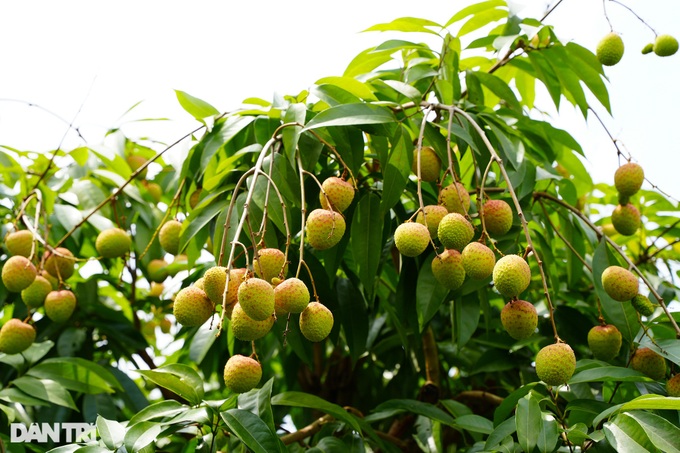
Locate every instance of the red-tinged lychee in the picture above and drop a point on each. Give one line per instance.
(430, 164)
(605, 342)
(270, 263)
(246, 328)
(61, 263)
(497, 217)
(324, 228)
(511, 275)
(434, 214)
(192, 307)
(34, 296)
(411, 238)
(448, 269)
(619, 283)
(626, 219)
(455, 198)
(519, 319)
(455, 231)
(16, 336)
(649, 363)
(59, 305)
(291, 296)
(242, 374)
(340, 193)
(478, 260)
(555, 364)
(628, 178)
(316, 322)
(18, 273)
(256, 297)
(19, 243)
(169, 236)
(113, 243)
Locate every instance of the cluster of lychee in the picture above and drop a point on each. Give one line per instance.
(610, 49)
(628, 179)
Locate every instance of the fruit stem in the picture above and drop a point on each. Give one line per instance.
(175, 199)
(419, 149)
(337, 155)
(636, 15)
(303, 210)
(561, 236)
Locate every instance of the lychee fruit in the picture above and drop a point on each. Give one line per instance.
(324, 228)
(478, 260)
(50, 278)
(628, 179)
(316, 322)
(200, 283)
(113, 243)
(157, 270)
(154, 190)
(256, 297)
(454, 231)
(18, 273)
(59, 305)
(242, 374)
(34, 295)
(665, 45)
(434, 214)
(649, 47)
(61, 263)
(619, 283)
(291, 296)
(643, 305)
(497, 217)
(430, 164)
(511, 275)
(455, 198)
(519, 319)
(192, 307)
(626, 219)
(604, 342)
(673, 386)
(156, 289)
(246, 328)
(135, 161)
(649, 363)
(169, 236)
(16, 336)
(555, 364)
(269, 263)
(411, 238)
(610, 49)
(448, 269)
(19, 243)
(340, 193)
(214, 280)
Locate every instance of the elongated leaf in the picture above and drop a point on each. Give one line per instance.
(351, 85)
(663, 434)
(406, 24)
(474, 9)
(416, 407)
(197, 108)
(353, 312)
(252, 431)
(179, 379)
(549, 435)
(351, 115)
(366, 240)
(78, 374)
(296, 113)
(300, 399)
(481, 19)
(258, 401)
(141, 434)
(160, 409)
(609, 374)
(625, 435)
(397, 169)
(528, 422)
(505, 429)
(367, 61)
(111, 432)
(45, 389)
(475, 424)
(430, 294)
(499, 88)
(652, 402)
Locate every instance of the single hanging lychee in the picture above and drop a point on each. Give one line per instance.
(291, 296)
(34, 296)
(519, 319)
(411, 238)
(626, 219)
(555, 364)
(643, 305)
(610, 49)
(256, 298)
(16, 336)
(430, 164)
(605, 342)
(454, 231)
(113, 243)
(649, 363)
(448, 269)
(324, 228)
(246, 328)
(18, 273)
(61, 263)
(497, 217)
(169, 236)
(665, 45)
(242, 374)
(478, 260)
(455, 198)
(619, 283)
(434, 214)
(192, 307)
(511, 275)
(628, 179)
(19, 243)
(316, 322)
(270, 263)
(59, 305)
(339, 192)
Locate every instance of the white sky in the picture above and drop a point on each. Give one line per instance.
(54, 53)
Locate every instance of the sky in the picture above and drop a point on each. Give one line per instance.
(93, 60)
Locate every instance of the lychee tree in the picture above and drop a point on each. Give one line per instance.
(406, 257)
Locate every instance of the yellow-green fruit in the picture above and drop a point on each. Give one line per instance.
(519, 319)
(608, 229)
(455, 198)
(195, 198)
(610, 49)
(448, 269)
(136, 161)
(214, 281)
(256, 297)
(34, 295)
(430, 164)
(649, 363)
(169, 236)
(200, 283)
(324, 228)
(156, 289)
(434, 214)
(619, 283)
(269, 263)
(246, 328)
(411, 238)
(16, 336)
(340, 193)
(628, 179)
(454, 231)
(673, 386)
(665, 45)
(165, 324)
(643, 305)
(497, 217)
(157, 270)
(18, 273)
(291, 296)
(604, 342)
(555, 364)
(19, 243)
(192, 307)
(648, 48)
(511, 275)
(60, 264)
(155, 191)
(242, 374)
(50, 278)
(59, 305)
(478, 260)
(316, 322)
(624, 199)
(626, 219)
(113, 243)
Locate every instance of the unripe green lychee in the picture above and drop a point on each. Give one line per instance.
(291, 296)
(649, 363)
(34, 295)
(411, 238)
(673, 386)
(339, 192)
(434, 214)
(60, 264)
(511, 275)
(316, 322)
(50, 278)
(157, 270)
(269, 263)
(324, 228)
(519, 319)
(648, 48)
(169, 236)
(628, 178)
(192, 307)
(214, 280)
(156, 289)
(478, 260)
(246, 328)
(430, 164)
(256, 297)
(18, 273)
(135, 161)
(113, 243)
(604, 342)
(643, 305)
(619, 283)
(154, 190)
(200, 283)
(448, 269)
(610, 49)
(455, 198)
(19, 243)
(242, 374)
(555, 364)
(455, 232)
(665, 45)
(59, 305)
(626, 219)
(16, 336)
(497, 217)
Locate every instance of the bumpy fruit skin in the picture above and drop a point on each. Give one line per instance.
(169, 236)
(649, 363)
(434, 214)
(411, 238)
(455, 232)
(497, 217)
(478, 260)
(18, 273)
(643, 305)
(619, 283)
(626, 219)
(605, 342)
(59, 305)
(430, 164)
(256, 297)
(555, 364)
(291, 296)
(61, 264)
(34, 295)
(673, 386)
(157, 270)
(519, 319)
(192, 307)
(610, 49)
(324, 228)
(455, 198)
(242, 374)
(136, 161)
(214, 281)
(246, 328)
(16, 336)
(339, 192)
(628, 179)
(511, 275)
(269, 264)
(665, 45)
(316, 322)
(113, 243)
(19, 243)
(448, 269)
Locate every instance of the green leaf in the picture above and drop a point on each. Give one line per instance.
(12, 395)
(300, 399)
(396, 406)
(499, 88)
(663, 434)
(367, 61)
(474, 9)
(609, 374)
(625, 435)
(258, 401)
(475, 424)
(252, 431)
(111, 432)
(295, 113)
(351, 115)
(366, 240)
(652, 402)
(587, 73)
(45, 389)
(351, 85)
(141, 434)
(397, 169)
(465, 312)
(197, 108)
(430, 294)
(179, 379)
(160, 409)
(407, 24)
(528, 422)
(549, 435)
(481, 19)
(354, 316)
(502, 431)
(77, 374)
